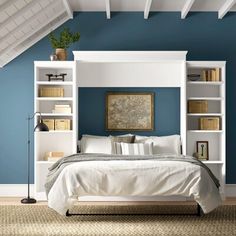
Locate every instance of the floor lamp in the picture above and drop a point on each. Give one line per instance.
(39, 127)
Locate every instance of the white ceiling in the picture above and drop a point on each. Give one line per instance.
(138, 5)
(24, 22)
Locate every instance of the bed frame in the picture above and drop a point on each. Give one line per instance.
(199, 213)
(159, 64)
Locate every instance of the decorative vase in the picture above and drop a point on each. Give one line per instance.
(61, 54)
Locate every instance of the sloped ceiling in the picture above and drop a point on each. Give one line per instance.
(24, 22)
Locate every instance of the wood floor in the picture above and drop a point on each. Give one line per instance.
(16, 201)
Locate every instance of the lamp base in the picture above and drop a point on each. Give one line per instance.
(28, 200)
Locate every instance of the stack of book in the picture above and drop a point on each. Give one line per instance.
(211, 75)
(66, 108)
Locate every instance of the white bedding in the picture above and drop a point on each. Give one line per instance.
(133, 178)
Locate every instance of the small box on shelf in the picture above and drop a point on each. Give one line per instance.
(51, 92)
(50, 123)
(197, 106)
(209, 123)
(62, 124)
(53, 156)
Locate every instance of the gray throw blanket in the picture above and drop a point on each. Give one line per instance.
(57, 167)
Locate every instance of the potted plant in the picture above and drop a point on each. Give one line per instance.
(61, 43)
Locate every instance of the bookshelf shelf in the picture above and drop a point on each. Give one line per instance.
(55, 140)
(213, 92)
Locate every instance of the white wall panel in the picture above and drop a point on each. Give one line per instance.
(130, 74)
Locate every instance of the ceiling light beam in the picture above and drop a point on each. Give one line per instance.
(187, 6)
(147, 8)
(68, 8)
(225, 8)
(108, 9)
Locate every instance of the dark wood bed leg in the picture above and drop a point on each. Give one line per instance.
(199, 210)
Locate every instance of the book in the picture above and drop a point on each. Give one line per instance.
(62, 105)
(217, 71)
(54, 158)
(62, 110)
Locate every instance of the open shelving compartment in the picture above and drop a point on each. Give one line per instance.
(214, 93)
(55, 140)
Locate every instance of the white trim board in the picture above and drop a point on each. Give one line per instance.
(136, 74)
(15, 190)
(20, 190)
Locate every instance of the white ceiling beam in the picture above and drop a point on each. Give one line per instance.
(68, 8)
(6, 4)
(31, 33)
(19, 27)
(147, 8)
(45, 33)
(225, 8)
(108, 9)
(187, 6)
(21, 12)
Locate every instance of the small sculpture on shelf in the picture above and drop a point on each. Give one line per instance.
(56, 77)
(194, 77)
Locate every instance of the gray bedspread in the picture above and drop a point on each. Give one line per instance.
(57, 167)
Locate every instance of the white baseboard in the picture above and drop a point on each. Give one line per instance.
(16, 190)
(230, 190)
(21, 190)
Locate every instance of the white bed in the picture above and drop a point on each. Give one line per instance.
(133, 178)
(142, 176)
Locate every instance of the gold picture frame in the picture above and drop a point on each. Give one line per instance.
(130, 111)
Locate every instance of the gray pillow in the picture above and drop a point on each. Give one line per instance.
(115, 140)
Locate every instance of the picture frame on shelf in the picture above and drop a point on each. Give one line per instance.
(202, 150)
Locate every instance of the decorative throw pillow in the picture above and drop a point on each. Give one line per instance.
(137, 148)
(96, 144)
(116, 148)
(162, 144)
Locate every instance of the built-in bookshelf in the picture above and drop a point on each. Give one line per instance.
(55, 140)
(200, 88)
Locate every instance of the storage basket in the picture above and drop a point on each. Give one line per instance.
(197, 106)
(209, 123)
(51, 92)
(62, 124)
(49, 123)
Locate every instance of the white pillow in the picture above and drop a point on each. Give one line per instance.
(162, 144)
(136, 148)
(96, 144)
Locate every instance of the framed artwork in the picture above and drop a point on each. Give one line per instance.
(203, 150)
(129, 111)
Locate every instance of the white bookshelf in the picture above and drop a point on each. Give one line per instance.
(214, 93)
(55, 140)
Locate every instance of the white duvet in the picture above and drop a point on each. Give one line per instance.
(133, 178)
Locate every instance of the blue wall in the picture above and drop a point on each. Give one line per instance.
(202, 34)
(92, 110)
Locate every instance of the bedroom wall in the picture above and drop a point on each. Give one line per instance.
(202, 34)
(166, 110)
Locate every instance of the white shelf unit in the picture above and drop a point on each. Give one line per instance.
(56, 140)
(214, 93)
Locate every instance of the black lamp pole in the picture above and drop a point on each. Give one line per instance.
(39, 127)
